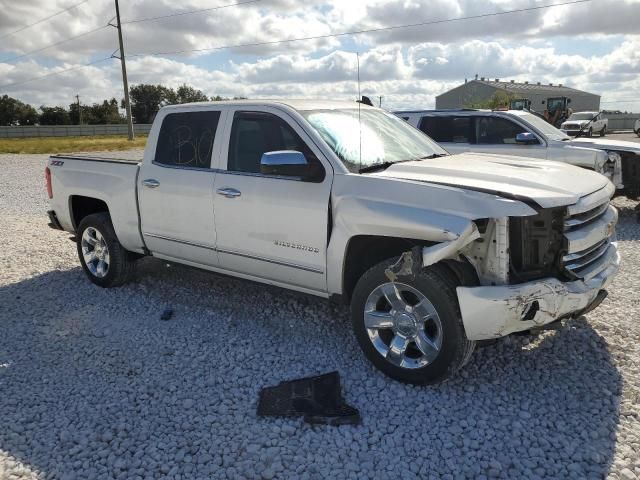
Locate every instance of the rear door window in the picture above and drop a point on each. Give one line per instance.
(186, 139)
(497, 131)
(447, 129)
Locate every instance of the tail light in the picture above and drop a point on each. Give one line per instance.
(47, 176)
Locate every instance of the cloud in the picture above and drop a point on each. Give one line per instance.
(591, 46)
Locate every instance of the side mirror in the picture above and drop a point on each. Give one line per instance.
(526, 138)
(285, 163)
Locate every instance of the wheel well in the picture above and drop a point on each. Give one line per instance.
(365, 251)
(83, 206)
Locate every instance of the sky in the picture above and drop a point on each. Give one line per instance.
(593, 46)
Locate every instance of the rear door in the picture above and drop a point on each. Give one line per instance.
(270, 227)
(175, 187)
(496, 134)
(454, 133)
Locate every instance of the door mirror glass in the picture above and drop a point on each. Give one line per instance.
(285, 163)
(526, 138)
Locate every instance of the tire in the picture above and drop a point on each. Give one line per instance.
(603, 132)
(444, 329)
(96, 231)
(590, 132)
(638, 132)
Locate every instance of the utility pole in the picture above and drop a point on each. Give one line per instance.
(127, 104)
(79, 110)
(380, 101)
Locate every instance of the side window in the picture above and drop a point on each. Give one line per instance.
(186, 139)
(497, 131)
(254, 133)
(447, 129)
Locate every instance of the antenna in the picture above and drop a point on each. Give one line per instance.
(359, 101)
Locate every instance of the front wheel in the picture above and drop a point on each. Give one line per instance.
(103, 259)
(410, 329)
(590, 132)
(603, 132)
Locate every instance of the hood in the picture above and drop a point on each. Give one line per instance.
(607, 144)
(578, 123)
(549, 184)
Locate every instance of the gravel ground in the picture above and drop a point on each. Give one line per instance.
(94, 385)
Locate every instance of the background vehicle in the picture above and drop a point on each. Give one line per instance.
(585, 123)
(433, 252)
(557, 110)
(636, 127)
(511, 132)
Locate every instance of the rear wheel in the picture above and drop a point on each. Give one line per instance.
(410, 329)
(103, 259)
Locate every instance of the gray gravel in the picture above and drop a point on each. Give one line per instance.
(94, 385)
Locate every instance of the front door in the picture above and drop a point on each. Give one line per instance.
(175, 188)
(273, 228)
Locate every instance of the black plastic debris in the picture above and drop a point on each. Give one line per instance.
(317, 399)
(167, 314)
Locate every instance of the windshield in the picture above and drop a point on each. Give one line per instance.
(548, 130)
(378, 138)
(582, 116)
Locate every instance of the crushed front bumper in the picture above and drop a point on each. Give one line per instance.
(495, 311)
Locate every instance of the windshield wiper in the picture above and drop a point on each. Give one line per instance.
(385, 165)
(377, 166)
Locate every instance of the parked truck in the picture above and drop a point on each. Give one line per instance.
(517, 132)
(433, 252)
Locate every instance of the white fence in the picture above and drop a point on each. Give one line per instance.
(70, 130)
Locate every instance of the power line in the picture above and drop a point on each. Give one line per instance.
(42, 20)
(179, 14)
(137, 20)
(77, 67)
(359, 32)
(51, 45)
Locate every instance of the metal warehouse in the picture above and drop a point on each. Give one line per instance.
(482, 89)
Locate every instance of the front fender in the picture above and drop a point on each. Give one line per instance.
(379, 206)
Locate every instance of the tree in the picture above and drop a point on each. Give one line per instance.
(54, 116)
(105, 113)
(146, 100)
(186, 94)
(500, 99)
(14, 112)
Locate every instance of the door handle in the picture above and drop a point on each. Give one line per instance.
(151, 183)
(228, 192)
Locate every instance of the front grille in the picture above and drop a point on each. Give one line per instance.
(589, 230)
(631, 174)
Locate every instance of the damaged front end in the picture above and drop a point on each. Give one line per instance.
(533, 270)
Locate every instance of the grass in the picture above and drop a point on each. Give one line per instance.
(99, 143)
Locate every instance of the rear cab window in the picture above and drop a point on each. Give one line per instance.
(186, 139)
(454, 129)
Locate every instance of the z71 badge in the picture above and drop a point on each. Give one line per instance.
(297, 246)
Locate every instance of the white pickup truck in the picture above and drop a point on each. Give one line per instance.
(521, 133)
(433, 252)
(585, 124)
